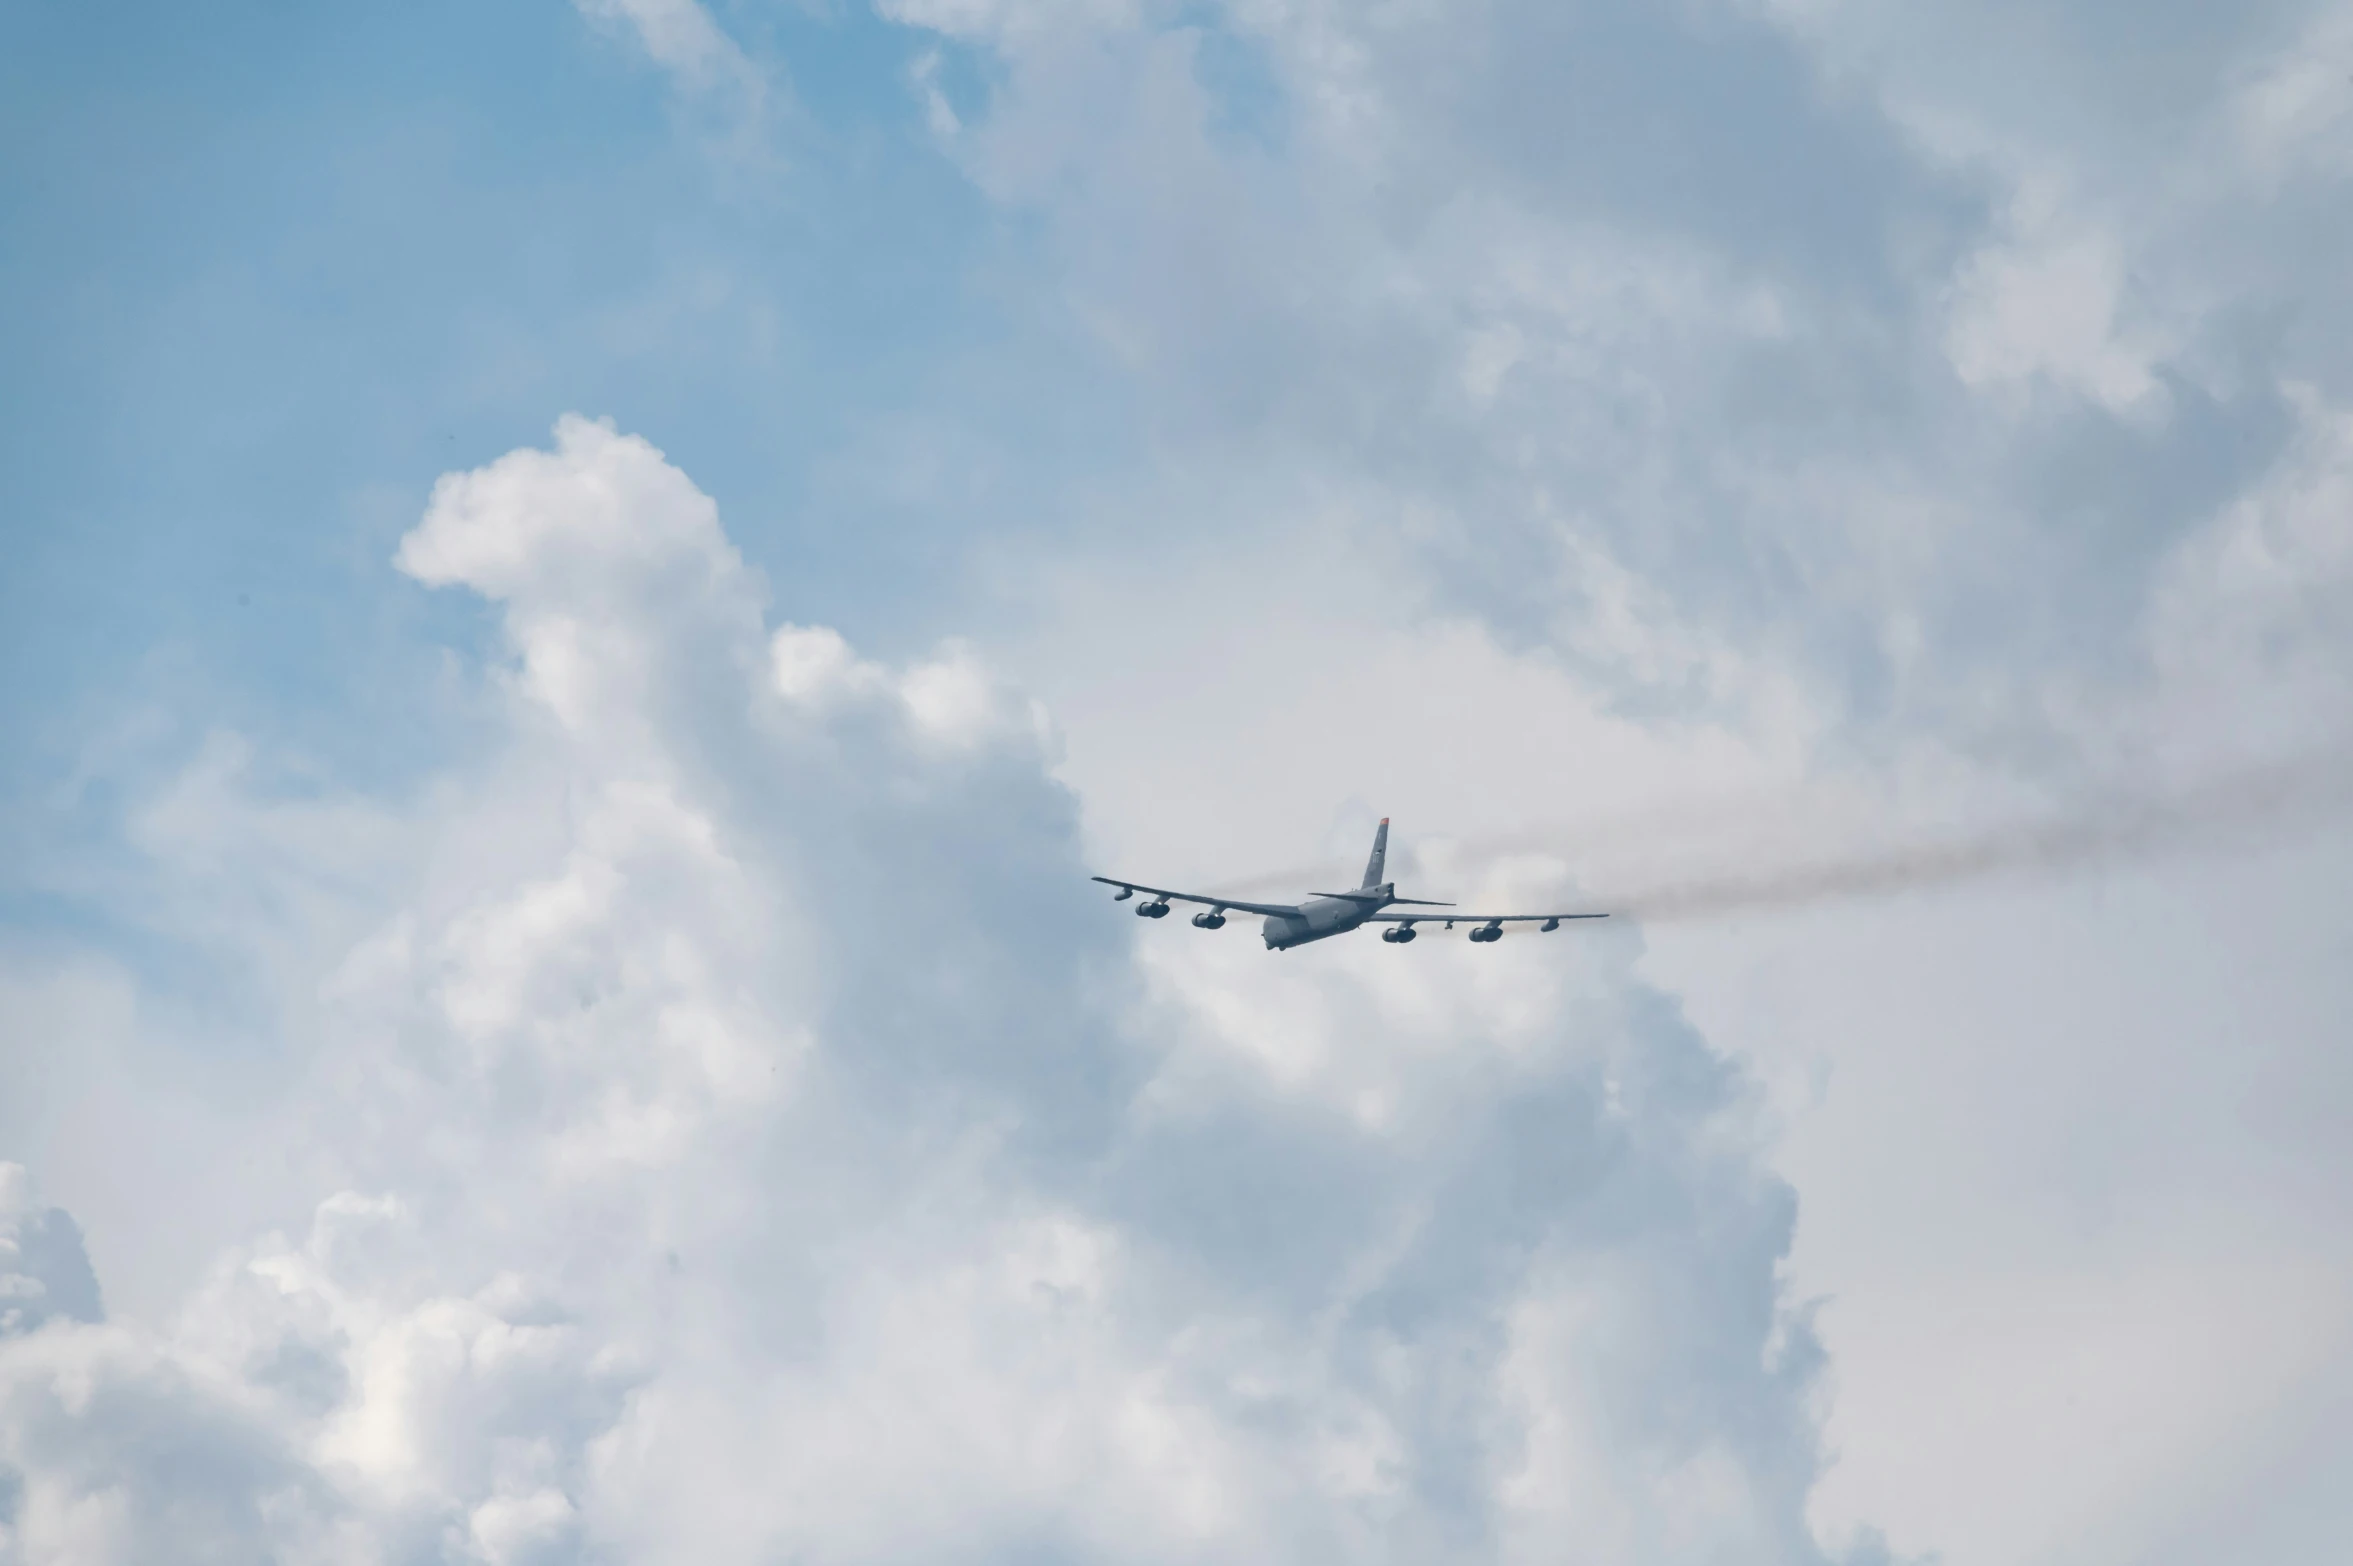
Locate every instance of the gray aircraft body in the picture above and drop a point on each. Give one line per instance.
(1336, 913)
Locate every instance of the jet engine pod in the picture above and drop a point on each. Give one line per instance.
(1398, 936)
(1151, 910)
(1549, 924)
(1212, 920)
(1488, 932)
(1123, 894)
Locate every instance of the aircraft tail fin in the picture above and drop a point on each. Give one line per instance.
(1380, 859)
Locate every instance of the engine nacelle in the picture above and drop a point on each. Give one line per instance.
(1151, 910)
(1488, 932)
(1399, 936)
(1209, 921)
(1123, 894)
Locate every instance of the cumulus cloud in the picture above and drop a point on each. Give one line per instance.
(316, 1401)
(709, 1120)
(1928, 411)
(736, 1122)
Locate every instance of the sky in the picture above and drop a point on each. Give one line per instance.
(588, 582)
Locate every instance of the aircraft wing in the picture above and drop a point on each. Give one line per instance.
(1278, 910)
(1451, 918)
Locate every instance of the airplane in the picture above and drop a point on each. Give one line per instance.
(1327, 914)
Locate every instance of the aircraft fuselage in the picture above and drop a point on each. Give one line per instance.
(1320, 918)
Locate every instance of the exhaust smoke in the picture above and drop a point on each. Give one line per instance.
(1728, 857)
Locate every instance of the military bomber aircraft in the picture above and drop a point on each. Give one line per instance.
(1335, 913)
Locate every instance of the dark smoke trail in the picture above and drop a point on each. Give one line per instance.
(1628, 869)
(2241, 811)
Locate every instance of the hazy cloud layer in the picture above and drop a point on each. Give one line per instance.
(1917, 352)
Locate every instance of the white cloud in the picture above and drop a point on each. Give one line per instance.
(710, 69)
(2292, 109)
(1001, 18)
(2054, 304)
(1550, 410)
(736, 1120)
(44, 1272)
(1924, 406)
(2255, 611)
(680, 36)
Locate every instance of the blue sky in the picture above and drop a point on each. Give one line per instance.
(275, 273)
(589, 581)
